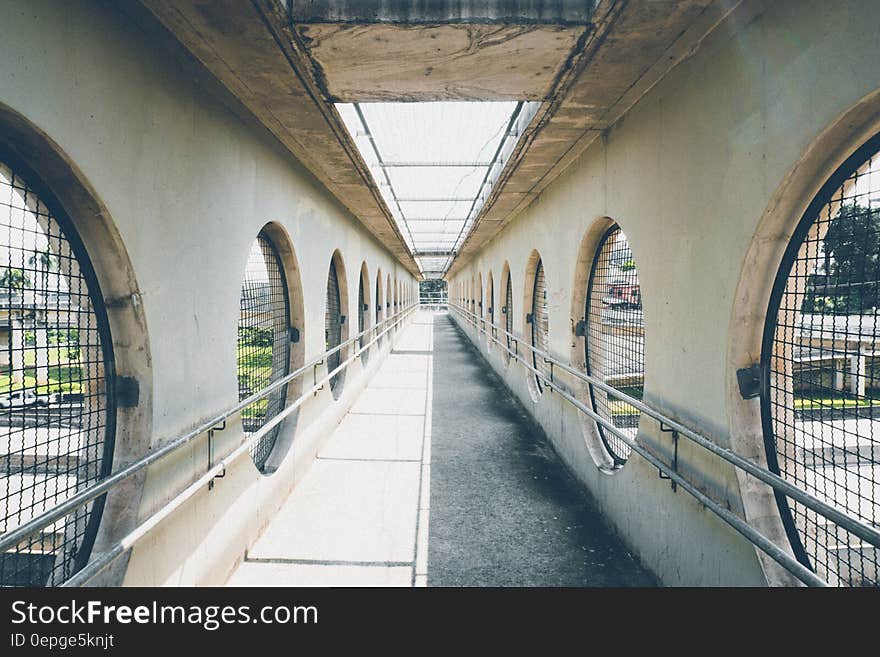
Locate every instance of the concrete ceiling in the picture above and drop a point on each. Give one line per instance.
(374, 63)
(586, 62)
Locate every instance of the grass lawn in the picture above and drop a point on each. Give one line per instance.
(255, 363)
(633, 392)
(620, 407)
(63, 374)
(257, 409)
(809, 403)
(254, 371)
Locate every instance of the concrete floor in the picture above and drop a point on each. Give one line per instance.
(357, 517)
(496, 507)
(504, 510)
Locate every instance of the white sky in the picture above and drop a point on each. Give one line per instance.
(256, 270)
(465, 134)
(20, 233)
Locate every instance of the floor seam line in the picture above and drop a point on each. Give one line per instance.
(346, 458)
(330, 562)
(426, 433)
(392, 414)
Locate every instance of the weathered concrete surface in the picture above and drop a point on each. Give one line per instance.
(504, 510)
(347, 510)
(556, 12)
(260, 574)
(375, 63)
(707, 175)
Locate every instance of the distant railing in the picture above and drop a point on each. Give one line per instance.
(510, 343)
(13, 538)
(434, 300)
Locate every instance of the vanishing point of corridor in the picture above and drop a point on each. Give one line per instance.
(438, 477)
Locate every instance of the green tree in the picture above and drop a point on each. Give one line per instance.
(14, 278)
(432, 287)
(851, 282)
(45, 262)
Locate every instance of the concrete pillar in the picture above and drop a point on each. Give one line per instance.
(41, 333)
(839, 378)
(857, 372)
(16, 339)
(5, 355)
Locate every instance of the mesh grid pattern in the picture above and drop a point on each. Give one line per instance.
(263, 342)
(615, 344)
(57, 419)
(540, 325)
(508, 316)
(473, 298)
(481, 307)
(362, 320)
(333, 329)
(490, 310)
(389, 303)
(822, 393)
(379, 305)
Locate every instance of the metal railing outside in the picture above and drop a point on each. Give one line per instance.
(434, 301)
(783, 557)
(98, 562)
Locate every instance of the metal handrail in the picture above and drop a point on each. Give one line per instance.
(95, 566)
(860, 529)
(800, 571)
(435, 300)
(83, 497)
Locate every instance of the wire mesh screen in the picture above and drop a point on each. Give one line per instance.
(57, 416)
(263, 342)
(389, 301)
(490, 310)
(378, 309)
(508, 315)
(615, 340)
(333, 328)
(362, 319)
(540, 325)
(480, 307)
(822, 393)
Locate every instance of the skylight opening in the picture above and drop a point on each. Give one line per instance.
(435, 164)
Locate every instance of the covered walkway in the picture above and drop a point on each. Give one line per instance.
(437, 477)
(668, 210)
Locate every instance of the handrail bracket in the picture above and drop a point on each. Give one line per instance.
(211, 431)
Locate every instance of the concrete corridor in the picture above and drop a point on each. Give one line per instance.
(437, 477)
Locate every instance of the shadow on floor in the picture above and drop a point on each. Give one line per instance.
(504, 509)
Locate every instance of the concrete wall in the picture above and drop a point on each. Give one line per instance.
(180, 186)
(707, 176)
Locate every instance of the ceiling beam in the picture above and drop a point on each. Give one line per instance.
(433, 254)
(459, 165)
